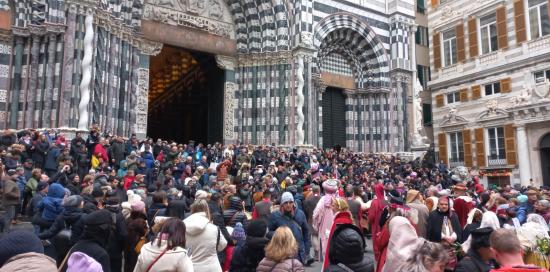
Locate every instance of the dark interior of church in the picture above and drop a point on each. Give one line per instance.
(185, 96)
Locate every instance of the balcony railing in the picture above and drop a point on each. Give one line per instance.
(496, 160)
(454, 162)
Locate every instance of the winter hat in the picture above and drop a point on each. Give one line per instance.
(56, 190)
(330, 186)
(138, 206)
(522, 198)
(82, 263)
(287, 197)
(411, 195)
(99, 217)
(238, 232)
(41, 186)
(256, 228)
(72, 201)
(347, 245)
(200, 194)
(18, 242)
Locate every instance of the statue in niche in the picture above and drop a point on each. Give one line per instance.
(418, 139)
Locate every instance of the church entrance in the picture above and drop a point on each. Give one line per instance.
(545, 158)
(185, 96)
(334, 118)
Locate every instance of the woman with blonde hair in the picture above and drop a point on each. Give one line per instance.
(204, 239)
(428, 256)
(280, 253)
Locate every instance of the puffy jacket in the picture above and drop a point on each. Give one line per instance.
(288, 265)
(70, 218)
(29, 262)
(201, 239)
(247, 256)
(175, 259)
(51, 204)
(346, 250)
(235, 214)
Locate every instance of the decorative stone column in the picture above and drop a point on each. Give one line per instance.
(523, 155)
(86, 72)
(147, 48)
(230, 88)
(350, 95)
(16, 88)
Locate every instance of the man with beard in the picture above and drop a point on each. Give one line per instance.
(295, 219)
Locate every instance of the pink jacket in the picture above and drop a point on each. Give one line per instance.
(322, 220)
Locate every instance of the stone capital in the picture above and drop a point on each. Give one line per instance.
(148, 47)
(37, 30)
(19, 31)
(226, 62)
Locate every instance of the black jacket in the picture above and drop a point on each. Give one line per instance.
(346, 250)
(217, 219)
(435, 223)
(96, 251)
(115, 244)
(71, 219)
(472, 262)
(248, 256)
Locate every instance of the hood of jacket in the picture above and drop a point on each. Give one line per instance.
(196, 223)
(56, 190)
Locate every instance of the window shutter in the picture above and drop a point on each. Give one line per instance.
(519, 21)
(506, 85)
(510, 144)
(437, 50)
(467, 144)
(480, 147)
(472, 37)
(461, 51)
(443, 148)
(439, 100)
(501, 28)
(464, 95)
(435, 3)
(476, 92)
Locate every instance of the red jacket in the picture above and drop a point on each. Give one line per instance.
(99, 149)
(462, 207)
(375, 213)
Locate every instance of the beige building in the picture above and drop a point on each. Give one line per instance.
(490, 63)
(422, 54)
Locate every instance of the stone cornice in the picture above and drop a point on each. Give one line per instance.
(281, 57)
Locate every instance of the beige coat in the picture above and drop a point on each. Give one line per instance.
(172, 261)
(201, 238)
(288, 265)
(29, 262)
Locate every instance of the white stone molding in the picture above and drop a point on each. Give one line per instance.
(226, 62)
(300, 101)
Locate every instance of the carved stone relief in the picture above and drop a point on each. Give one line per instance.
(142, 96)
(229, 98)
(212, 16)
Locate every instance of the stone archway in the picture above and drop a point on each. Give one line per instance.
(370, 102)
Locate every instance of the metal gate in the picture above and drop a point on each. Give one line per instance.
(334, 118)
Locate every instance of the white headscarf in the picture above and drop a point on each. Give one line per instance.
(534, 228)
(489, 220)
(403, 240)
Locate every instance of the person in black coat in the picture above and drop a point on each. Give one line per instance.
(97, 231)
(478, 257)
(235, 213)
(247, 256)
(442, 218)
(346, 251)
(116, 244)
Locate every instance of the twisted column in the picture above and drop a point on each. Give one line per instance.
(86, 72)
(300, 101)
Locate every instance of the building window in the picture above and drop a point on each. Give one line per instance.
(423, 74)
(420, 6)
(539, 23)
(456, 147)
(540, 76)
(449, 47)
(427, 114)
(492, 88)
(496, 143)
(453, 97)
(421, 36)
(488, 33)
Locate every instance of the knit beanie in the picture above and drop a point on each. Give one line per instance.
(238, 232)
(522, 198)
(287, 197)
(41, 186)
(19, 242)
(256, 228)
(138, 206)
(200, 194)
(72, 201)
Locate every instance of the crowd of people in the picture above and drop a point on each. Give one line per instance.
(105, 203)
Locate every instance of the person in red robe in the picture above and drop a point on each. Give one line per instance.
(342, 216)
(374, 215)
(463, 203)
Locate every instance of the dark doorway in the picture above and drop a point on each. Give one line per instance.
(545, 158)
(185, 96)
(334, 118)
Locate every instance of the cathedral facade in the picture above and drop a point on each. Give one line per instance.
(289, 72)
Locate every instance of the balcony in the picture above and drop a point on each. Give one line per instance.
(454, 162)
(496, 160)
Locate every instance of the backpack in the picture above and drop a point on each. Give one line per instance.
(62, 240)
(80, 262)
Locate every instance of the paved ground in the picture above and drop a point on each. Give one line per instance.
(316, 266)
